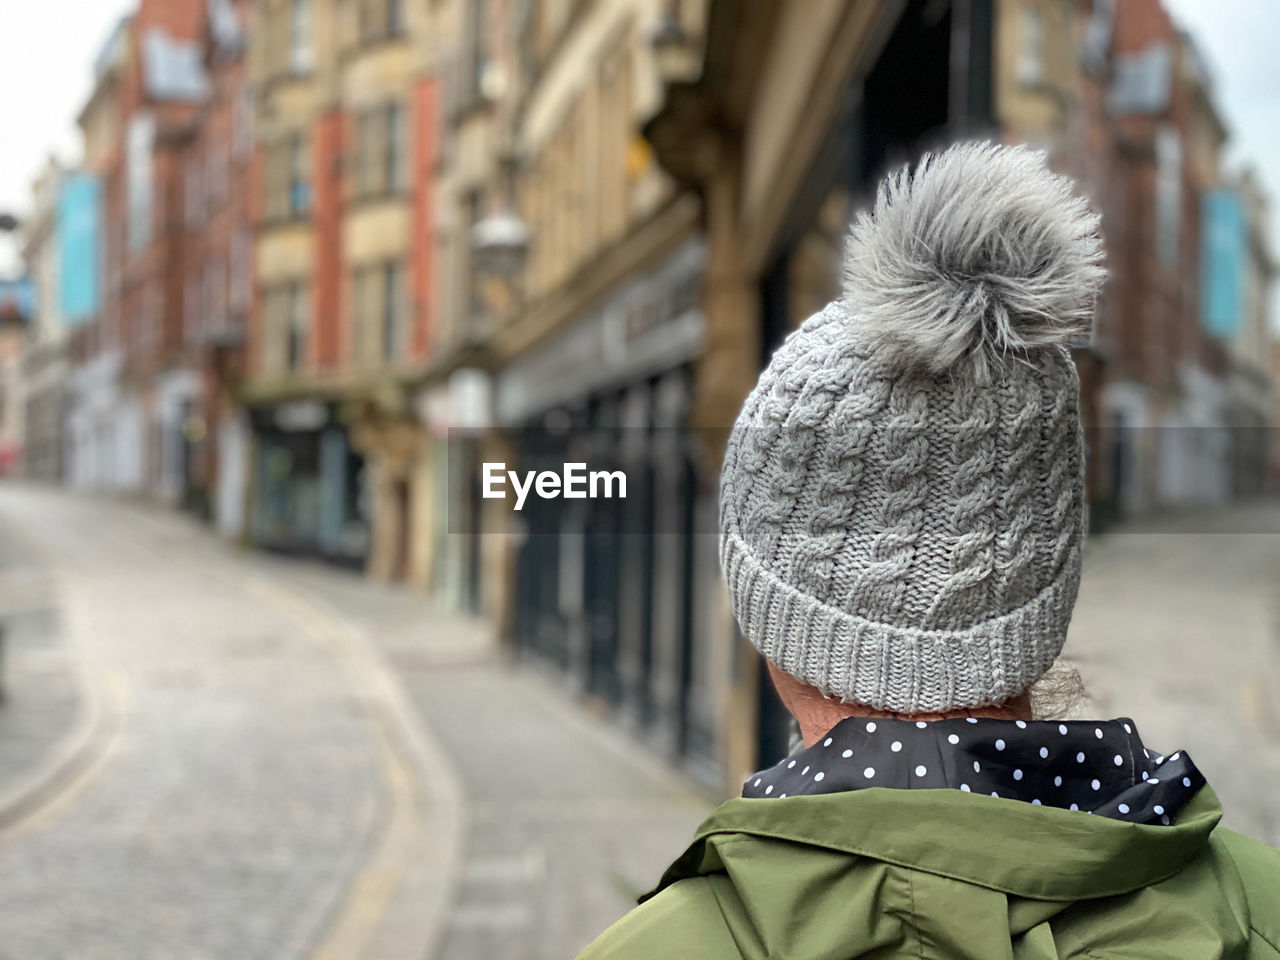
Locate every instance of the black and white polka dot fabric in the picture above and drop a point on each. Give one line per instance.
(1098, 767)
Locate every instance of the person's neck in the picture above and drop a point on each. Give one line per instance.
(816, 718)
(817, 714)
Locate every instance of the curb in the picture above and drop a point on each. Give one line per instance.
(80, 750)
(397, 906)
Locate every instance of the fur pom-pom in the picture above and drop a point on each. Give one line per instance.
(978, 252)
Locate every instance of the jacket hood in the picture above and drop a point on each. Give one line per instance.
(1035, 852)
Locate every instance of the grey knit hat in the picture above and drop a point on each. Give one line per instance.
(901, 501)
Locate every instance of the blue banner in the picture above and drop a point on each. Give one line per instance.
(79, 216)
(1225, 245)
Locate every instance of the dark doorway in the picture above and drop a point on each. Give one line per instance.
(916, 96)
(402, 497)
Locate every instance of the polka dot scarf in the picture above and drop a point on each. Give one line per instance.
(1098, 767)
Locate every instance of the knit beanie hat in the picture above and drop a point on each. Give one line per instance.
(901, 501)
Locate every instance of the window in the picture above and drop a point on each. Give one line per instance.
(286, 311)
(1168, 195)
(476, 62)
(288, 186)
(192, 320)
(380, 151)
(215, 296)
(614, 128)
(138, 181)
(380, 317)
(242, 124)
(300, 52)
(1031, 47)
(240, 281)
(193, 191)
(298, 308)
(380, 19)
(215, 169)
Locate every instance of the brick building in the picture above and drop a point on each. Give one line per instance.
(217, 268)
(137, 379)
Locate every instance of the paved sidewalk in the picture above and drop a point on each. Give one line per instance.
(570, 819)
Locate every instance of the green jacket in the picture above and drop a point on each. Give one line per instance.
(945, 875)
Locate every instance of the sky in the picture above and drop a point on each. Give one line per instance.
(47, 49)
(1240, 38)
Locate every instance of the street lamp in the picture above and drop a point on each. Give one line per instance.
(500, 242)
(674, 51)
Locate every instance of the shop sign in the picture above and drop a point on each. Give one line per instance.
(652, 324)
(302, 416)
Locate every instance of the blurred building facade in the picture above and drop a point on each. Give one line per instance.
(16, 308)
(44, 364)
(136, 378)
(347, 122)
(216, 153)
(350, 250)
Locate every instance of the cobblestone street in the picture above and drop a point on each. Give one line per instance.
(275, 759)
(243, 799)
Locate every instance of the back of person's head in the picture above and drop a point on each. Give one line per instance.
(902, 495)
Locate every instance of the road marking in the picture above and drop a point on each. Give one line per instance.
(492, 917)
(103, 742)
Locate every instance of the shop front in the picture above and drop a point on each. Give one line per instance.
(309, 486)
(609, 592)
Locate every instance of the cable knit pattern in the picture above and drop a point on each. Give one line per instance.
(973, 489)
(850, 429)
(901, 516)
(904, 541)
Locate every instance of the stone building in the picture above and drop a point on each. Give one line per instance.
(685, 172)
(345, 123)
(793, 115)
